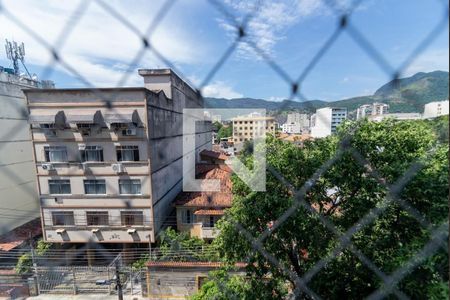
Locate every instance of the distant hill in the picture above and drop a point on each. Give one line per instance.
(404, 95)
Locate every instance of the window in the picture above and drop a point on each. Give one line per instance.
(212, 221)
(127, 153)
(97, 218)
(47, 126)
(96, 186)
(130, 186)
(92, 153)
(59, 186)
(132, 218)
(63, 218)
(55, 153)
(187, 217)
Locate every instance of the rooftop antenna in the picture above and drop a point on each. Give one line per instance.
(16, 53)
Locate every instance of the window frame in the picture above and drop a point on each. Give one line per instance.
(133, 184)
(59, 183)
(95, 149)
(65, 214)
(48, 150)
(125, 148)
(96, 183)
(97, 215)
(124, 215)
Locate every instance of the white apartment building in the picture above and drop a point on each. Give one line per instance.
(109, 160)
(291, 128)
(435, 109)
(19, 203)
(325, 121)
(374, 109)
(396, 116)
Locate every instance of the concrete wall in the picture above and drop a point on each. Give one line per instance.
(18, 200)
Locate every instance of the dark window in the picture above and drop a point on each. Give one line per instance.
(92, 153)
(63, 218)
(59, 186)
(47, 126)
(129, 218)
(95, 186)
(130, 186)
(97, 218)
(127, 153)
(55, 153)
(187, 216)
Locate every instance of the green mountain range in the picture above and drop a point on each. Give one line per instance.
(408, 94)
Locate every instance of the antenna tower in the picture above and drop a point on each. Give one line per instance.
(16, 53)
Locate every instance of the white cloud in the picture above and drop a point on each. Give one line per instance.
(276, 98)
(269, 23)
(99, 47)
(431, 60)
(220, 89)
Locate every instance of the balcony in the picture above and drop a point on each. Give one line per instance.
(209, 232)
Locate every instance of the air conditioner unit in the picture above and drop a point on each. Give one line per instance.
(131, 231)
(84, 166)
(60, 231)
(95, 230)
(118, 168)
(81, 147)
(48, 167)
(129, 131)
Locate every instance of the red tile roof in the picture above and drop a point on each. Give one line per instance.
(191, 264)
(20, 235)
(209, 212)
(209, 199)
(213, 154)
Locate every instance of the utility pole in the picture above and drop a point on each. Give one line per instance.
(33, 261)
(118, 283)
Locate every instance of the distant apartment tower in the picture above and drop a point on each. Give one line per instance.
(19, 200)
(109, 160)
(245, 128)
(296, 123)
(325, 121)
(374, 109)
(435, 109)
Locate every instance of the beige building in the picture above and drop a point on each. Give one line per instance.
(109, 161)
(247, 128)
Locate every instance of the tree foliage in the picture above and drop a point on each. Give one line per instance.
(24, 264)
(344, 194)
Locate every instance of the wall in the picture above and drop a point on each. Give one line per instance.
(19, 201)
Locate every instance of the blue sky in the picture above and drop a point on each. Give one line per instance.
(194, 34)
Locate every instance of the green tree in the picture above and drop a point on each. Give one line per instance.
(224, 132)
(24, 264)
(179, 246)
(345, 193)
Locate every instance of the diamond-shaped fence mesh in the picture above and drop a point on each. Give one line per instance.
(64, 278)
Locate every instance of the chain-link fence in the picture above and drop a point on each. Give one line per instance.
(65, 279)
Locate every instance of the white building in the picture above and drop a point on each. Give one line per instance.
(374, 109)
(435, 109)
(396, 116)
(291, 128)
(325, 121)
(19, 200)
(109, 161)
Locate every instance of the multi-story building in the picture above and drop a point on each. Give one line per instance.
(325, 121)
(109, 161)
(396, 116)
(297, 118)
(374, 109)
(435, 109)
(291, 128)
(246, 128)
(19, 203)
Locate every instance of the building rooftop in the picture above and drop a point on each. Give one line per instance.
(20, 235)
(191, 264)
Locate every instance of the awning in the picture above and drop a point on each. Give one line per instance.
(58, 119)
(209, 212)
(123, 118)
(82, 117)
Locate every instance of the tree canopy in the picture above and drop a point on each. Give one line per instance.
(364, 161)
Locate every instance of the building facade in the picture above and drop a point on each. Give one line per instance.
(19, 200)
(246, 128)
(396, 116)
(291, 128)
(109, 161)
(435, 109)
(374, 109)
(325, 121)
